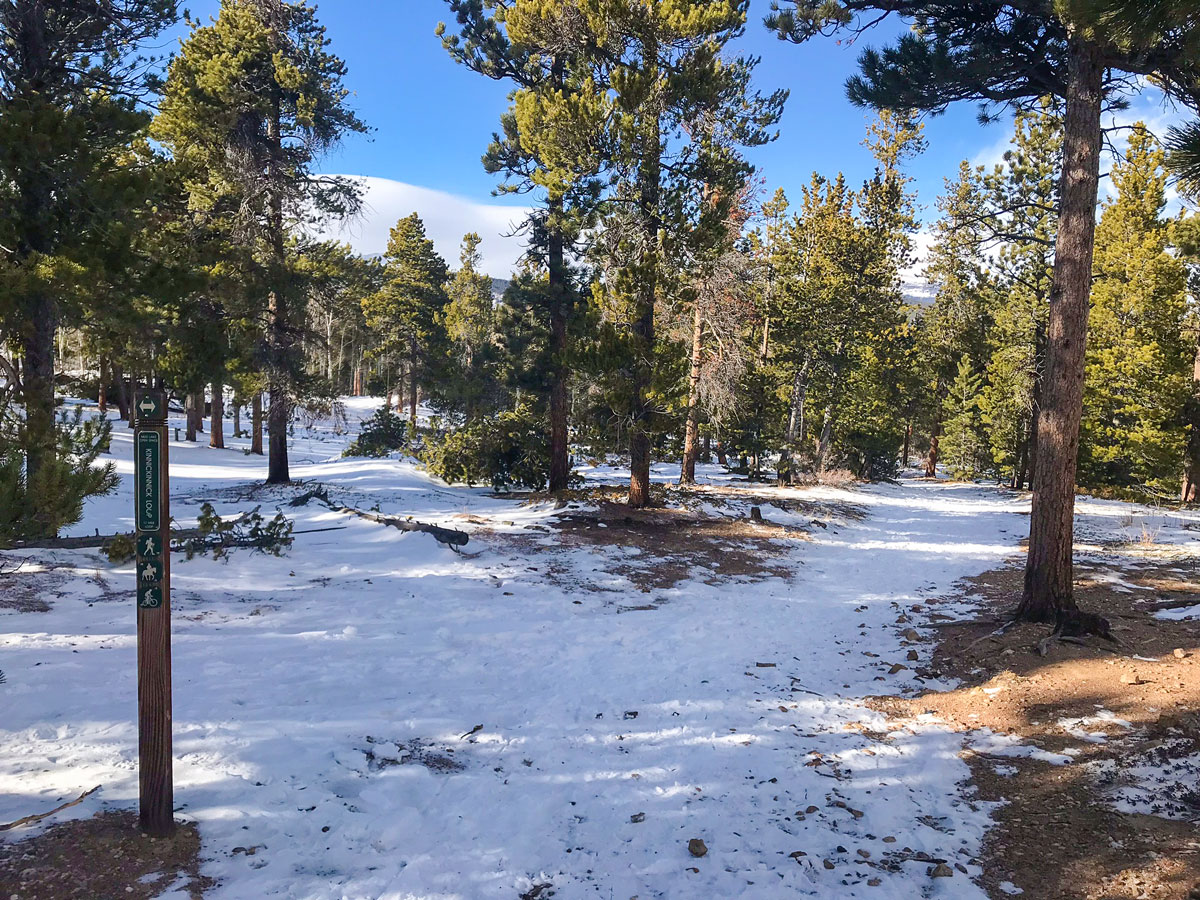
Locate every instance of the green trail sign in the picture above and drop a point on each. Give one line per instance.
(148, 481)
(152, 515)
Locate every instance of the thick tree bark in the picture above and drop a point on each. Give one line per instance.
(1020, 466)
(216, 438)
(237, 416)
(412, 387)
(102, 389)
(279, 413)
(38, 384)
(1049, 594)
(189, 416)
(560, 451)
(256, 424)
(691, 437)
(649, 191)
(907, 448)
(796, 425)
(122, 396)
(1190, 492)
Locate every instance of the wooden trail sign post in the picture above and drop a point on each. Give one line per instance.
(152, 515)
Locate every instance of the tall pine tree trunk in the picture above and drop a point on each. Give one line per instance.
(649, 191)
(38, 393)
(216, 430)
(1190, 492)
(189, 416)
(36, 305)
(122, 397)
(412, 387)
(280, 411)
(237, 416)
(826, 441)
(102, 390)
(691, 437)
(256, 424)
(560, 451)
(794, 435)
(1048, 594)
(907, 448)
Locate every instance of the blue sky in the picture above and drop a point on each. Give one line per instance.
(432, 119)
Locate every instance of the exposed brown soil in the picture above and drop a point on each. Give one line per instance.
(24, 588)
(101, 858)
(1059, 836)
(677, 539)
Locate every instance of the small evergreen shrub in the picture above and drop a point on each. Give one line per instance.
(509, 450)
(383, 433)
(66, 480)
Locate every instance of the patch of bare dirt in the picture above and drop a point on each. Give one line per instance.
(25, 588)
(101, 858)
(1113, 709)
(681, 537)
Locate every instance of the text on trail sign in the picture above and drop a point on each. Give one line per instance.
(148, 481)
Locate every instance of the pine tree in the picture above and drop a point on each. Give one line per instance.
(251, 102)
(996, 53)
(957, 325)
(71, 88)
(405, 313)
(1022, 224)
(1138, 363)
(521, 42)
(965, 439)
(658, 102)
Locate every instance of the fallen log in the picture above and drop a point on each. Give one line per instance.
(448, 536)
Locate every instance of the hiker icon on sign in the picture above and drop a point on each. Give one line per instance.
(151, 545)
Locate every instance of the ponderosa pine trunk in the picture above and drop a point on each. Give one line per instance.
(691, 436)
(412, 387)
(649, 190)
(1190, 491)
(279, 413)
(560, 451)
(189, 416)
(907, 448)
(237, 416)
(39, 312)
(835, 384)
(1049, 594)
(796, 424)
(216, 429)
(102, 388)
(256, 424)
(122, 397)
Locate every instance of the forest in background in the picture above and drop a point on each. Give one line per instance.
(156, 224)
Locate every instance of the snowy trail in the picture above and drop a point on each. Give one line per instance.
(323, 704)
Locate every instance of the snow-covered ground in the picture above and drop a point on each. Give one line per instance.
(375, 716)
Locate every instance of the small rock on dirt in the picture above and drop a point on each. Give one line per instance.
(1180, 653)
(697, 847)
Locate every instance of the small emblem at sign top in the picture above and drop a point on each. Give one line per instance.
(152, 405)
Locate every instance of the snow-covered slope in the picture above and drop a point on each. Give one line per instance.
(378, 717)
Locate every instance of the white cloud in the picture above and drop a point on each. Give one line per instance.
(447, 218)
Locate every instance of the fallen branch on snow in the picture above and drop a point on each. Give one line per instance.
(30, 820)
(448, 536)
